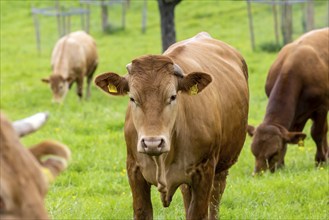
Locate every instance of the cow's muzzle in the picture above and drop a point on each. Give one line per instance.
(153, 146)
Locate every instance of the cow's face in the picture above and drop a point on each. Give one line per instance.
(59, 87)
(154, 84)
(269, 146)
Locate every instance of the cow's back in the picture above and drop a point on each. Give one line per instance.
(74, 51)
(219, 113)
(306, 58)
(88, 45)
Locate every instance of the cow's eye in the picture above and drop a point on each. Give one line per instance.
(132, 100)
(136, 103)
(172, 98)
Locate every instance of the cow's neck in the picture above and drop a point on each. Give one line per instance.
(62, 67)
(283, 100)
(164, 182)
(160, 174)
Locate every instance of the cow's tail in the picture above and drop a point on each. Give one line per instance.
(52, 156)
(245, 68)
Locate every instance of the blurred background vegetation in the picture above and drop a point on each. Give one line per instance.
(95, 185)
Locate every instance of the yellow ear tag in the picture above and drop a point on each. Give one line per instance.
(112, 88)
(194, 90)
(49, 176)
(300, 143)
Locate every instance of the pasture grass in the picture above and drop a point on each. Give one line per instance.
(95, 186)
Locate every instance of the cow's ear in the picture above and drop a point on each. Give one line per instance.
(294, 137)
(69, 79)
(194, 82)
(45, 80)
(112, 83)
(251, 130)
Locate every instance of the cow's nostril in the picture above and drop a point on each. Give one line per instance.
(152, 143)
(161, 143)
(143, 144)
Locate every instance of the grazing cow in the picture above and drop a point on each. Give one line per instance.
(73, 58)
(26, 173)
(185, 122)
(298, 89)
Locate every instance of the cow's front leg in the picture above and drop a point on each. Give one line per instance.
(141, 192)
(186, 192)
(219, 185)
(79, 87)
(202, 180)
(89, 79)
(319, 134)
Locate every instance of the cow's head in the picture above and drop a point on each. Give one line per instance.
(59, 86)
(154, 84)
(269, 145)
(26, 173)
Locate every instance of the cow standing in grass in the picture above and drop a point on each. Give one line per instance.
(74, 57)
(298, 89)
(26, 173)
(185, 124)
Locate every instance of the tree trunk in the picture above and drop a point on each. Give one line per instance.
(167, 13)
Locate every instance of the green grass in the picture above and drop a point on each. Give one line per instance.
(95, 186)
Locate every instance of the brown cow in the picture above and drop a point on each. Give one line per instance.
(175, 138)
(25, 173)
(298, 89)
(73, 58)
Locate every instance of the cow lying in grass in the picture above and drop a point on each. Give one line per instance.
(74, 57)
(298, 89)
(26, 173)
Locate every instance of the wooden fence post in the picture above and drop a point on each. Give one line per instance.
(309, 16)
(286, 24)
(275, 18)
(104, 16)
(144, 16)
(251, 26)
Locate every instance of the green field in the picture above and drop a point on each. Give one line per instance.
(95, 186)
